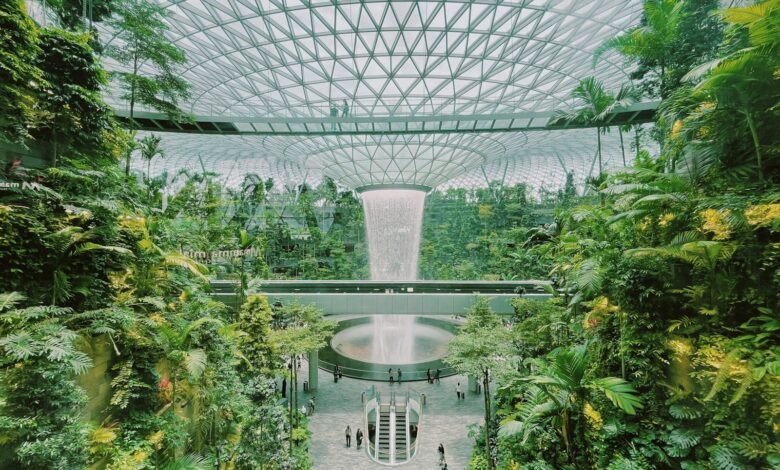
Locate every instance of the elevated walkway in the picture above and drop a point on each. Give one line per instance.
(391, 298)
(400, 123)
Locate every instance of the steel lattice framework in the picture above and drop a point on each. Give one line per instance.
(396, 60)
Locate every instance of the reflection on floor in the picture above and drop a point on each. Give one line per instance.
(445, 420)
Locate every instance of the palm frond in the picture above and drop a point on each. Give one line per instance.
(590, 275)
(620, 393)
(10, 300)
(89, 246)
(195, 362)
(176, 259)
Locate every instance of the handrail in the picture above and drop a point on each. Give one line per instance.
(411, 400)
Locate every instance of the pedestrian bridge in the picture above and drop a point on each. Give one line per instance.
(391, 297)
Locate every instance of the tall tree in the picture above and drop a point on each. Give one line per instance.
(481, 347)
(301, 329)
(673, 37)
(150, 76)
(598, 104)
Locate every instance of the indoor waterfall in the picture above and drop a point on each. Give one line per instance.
(394, 226)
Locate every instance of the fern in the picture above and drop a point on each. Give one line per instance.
(195, 362)
(10, 300)
(620, 393)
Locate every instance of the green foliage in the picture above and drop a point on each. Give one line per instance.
(255, 321)
(598, 103)
(41, 403)
(481, 234)
(18, 49)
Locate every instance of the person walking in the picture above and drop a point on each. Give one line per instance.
(399, 375)
(428, 373)
(348, 434)
(438, 373)
(345, 110)
(311, 406)
(334, 113)
(457, 390)
(441, 453)
(390, 374)
(359, 438)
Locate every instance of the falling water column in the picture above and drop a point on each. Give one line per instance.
(393, 225)
(393, 217)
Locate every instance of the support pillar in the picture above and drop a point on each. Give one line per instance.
(473, 384)
(314, 365)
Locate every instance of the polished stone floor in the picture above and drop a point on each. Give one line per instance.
(445, 420)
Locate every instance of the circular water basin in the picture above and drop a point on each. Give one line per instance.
(388, 342)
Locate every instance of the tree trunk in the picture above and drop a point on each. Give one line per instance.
(636, 140)
(622, 147)
(598, 143)
(295, 384)
(566, 434)
(622, 320)
(756, 144)
(54, 135)
(290, 402)
(132, 106)
(486, 386)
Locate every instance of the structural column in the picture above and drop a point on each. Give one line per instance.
(473, 383)
(314, 365)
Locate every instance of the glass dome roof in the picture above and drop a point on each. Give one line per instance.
(292, 59)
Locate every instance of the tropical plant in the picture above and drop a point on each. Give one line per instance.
(68, 244)
(150, 148)
(598, 104)
(560, 391)
(652, 42)
(184, 362)
(41, 403)
(743, 80)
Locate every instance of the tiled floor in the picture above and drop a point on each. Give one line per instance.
(445, 420)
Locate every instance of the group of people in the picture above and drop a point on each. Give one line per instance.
(358, 437)
(390, 375)
(432, 378)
